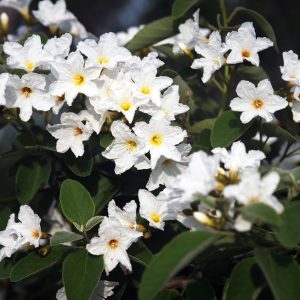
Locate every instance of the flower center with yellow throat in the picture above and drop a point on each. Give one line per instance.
(145, 89)
(156, 140)
(155, 217)
(29, 65)
(78, 80)
(258, 103)
(125, 105)
(113, 244)
(26, 91)
(246, 53)
(103, 60)
(35, 234)
(131, 145)
(77, 131)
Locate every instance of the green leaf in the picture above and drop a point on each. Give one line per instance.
(140, 253)
(34, 263)
(262, 22)
(105, 140)
(288, 233)
(5, 268)
(76, 202)
(152, 33)
(180, 7)
(227, 129)
(81, 274)
(261, 212)
(251, 73)
(282, 274)
(273, 130)
(64, 237)
(171, 259)
(93, 222)
(31, 175)
(80, 166)
(244, 281)
(201, 125)
(204, 288)
(4, 216)
(168, 295)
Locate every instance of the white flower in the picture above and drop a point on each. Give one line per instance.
(256, 101)
(149, 86)
(53, 14)
(27, 57)
(137, 63)
(71, 134)
(167, 170)
(3, 82)
(10, 239)
(124, 37)
(112, 243)
(198, 178)
(237, 159)
(213, 56)
(125, 218)
(241, 224)
(255, 189)
(74, 78)
(190, 34)
(170, 106)
(29, 226)
(106, 54)
(27, 93)
(153, 210)
(295, 105)
(125, 149)
(244, 45)
(103, 290)
(160, 138)
(291, 67)
(58, 48)
(75, 28)
(93, 120)
(20, 5)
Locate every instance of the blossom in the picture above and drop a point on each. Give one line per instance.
(244, 45)
(124, 37)
(167, 170)
(190, 34)
(291, 67)
(149, 86)
(3, 82)
(106, 54)
(20, 5)
(170, 106)
(71, 134)
(256, 101)
(137, 63)
(153, 210)
(28, 92)
(255, 189)
(213, 56)
(160, 138)
(103, 290)
(73, 77)
(125, 149)
(112, 243)
(27, 57)
(238, 159)
(197, 179)
(53, 14)
(75, 28)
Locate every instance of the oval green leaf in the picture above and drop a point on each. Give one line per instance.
(171, 259)
(227, 129)
(76, 202)
(81, 274)
(64, 237)
(180, 7)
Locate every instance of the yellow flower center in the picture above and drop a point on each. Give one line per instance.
(103, 60)
(35, 234)
(258, 103)
(253, 200)
(246, 53)
(155, 217)
(146, 90)
(156, 140)
(77, 131)
(26, 91)
(60, 98)
(125, 105)
(131, 145)
(78, 79)
(29, 65)
(113, 244)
